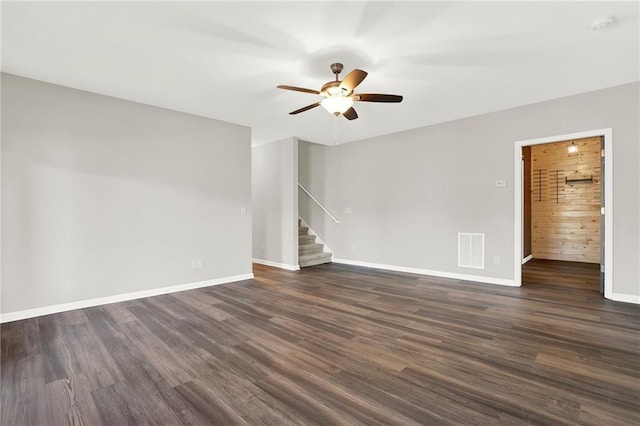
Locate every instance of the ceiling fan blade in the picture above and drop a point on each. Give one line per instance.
(377, 97)
(350, 114)
(298, 89)
(352, 80)
(308, 107)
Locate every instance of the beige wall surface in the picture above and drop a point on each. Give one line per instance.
(410, 193)
(103, 197)
(275, 202)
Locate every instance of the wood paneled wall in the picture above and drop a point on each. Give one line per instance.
(565, 215)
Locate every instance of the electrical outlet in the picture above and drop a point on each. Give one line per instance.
(496, 259)
(353, 247)
(197, 263)
(348, 210)
(243, 211)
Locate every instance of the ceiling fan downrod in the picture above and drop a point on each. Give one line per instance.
(336, 68)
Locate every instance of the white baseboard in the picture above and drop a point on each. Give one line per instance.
(627, 298)
(526, 259)
(476, 278)
(54, 309)
(277, 265)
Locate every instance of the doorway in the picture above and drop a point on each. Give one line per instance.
(567, 192)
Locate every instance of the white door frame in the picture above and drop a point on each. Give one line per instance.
(607, 134)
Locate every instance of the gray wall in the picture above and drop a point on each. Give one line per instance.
(275, 202)
(412, 192)
(103, 197)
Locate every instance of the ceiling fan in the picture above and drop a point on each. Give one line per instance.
(339, 96)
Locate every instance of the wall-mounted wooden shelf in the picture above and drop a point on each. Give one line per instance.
(568, 181)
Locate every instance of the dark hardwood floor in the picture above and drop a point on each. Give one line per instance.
(561, 276)
(334, 344)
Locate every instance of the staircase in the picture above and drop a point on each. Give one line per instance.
(309, 252)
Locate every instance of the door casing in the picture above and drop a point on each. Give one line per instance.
(607, 219)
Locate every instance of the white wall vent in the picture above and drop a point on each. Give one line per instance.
(471, 250)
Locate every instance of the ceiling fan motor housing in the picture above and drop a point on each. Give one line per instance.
(332, 88)
(336, 68)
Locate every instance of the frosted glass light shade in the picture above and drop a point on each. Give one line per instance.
(337, 104)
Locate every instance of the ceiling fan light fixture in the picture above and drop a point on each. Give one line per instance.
(339, 96)
(337, 104)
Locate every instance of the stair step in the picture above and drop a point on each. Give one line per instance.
(310, 248)
(314, 259)
(306, 239)
(310, 253)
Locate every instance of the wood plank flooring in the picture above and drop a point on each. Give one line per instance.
(334, 344)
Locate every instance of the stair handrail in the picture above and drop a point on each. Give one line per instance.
(335, 219)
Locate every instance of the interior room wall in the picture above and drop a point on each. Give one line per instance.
(104, 197)
(275, 203)
(410, 193)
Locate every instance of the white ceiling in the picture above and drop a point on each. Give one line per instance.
(223, 60)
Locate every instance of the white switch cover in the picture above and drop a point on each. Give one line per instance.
(501, 184)
(496, 259)
(243, 211)
(348, 210)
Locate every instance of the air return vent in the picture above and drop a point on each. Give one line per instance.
(471, 250)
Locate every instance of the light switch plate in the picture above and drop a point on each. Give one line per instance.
(501, 183)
